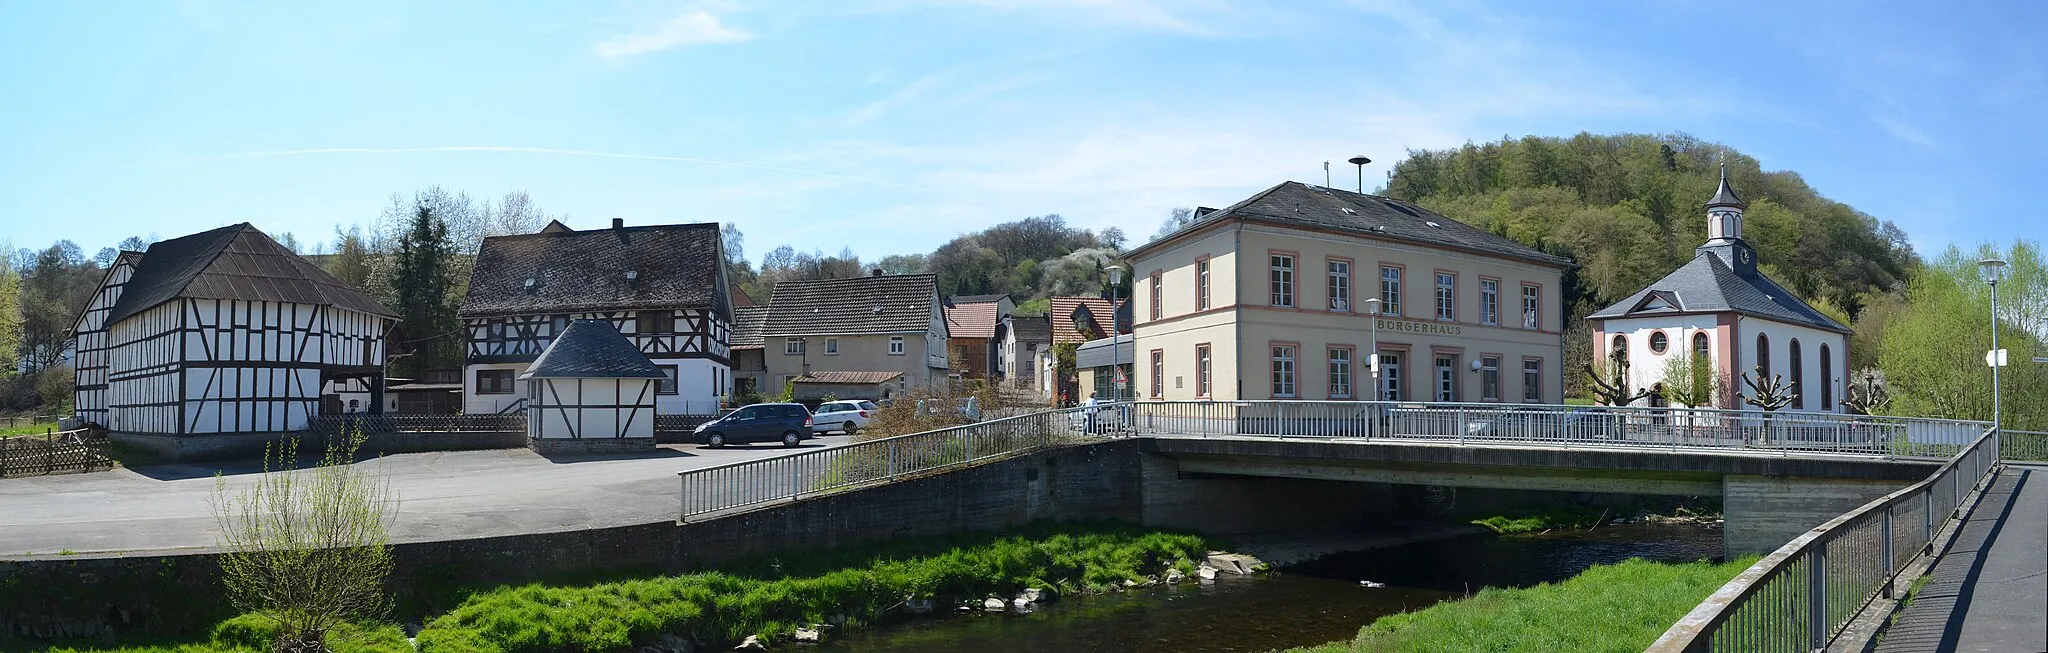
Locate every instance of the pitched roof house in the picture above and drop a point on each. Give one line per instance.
(1081, 319)
(876, 323)
(662, 287)
(264, 330)
(592, 390)
(974, 324)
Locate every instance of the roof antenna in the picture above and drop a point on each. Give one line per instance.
(1360, 161)
(1326, 174)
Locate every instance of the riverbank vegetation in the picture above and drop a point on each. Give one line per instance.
(767, 597)
(1619, 607)
(1537, 519)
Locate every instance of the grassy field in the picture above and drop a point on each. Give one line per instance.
(1620, 607)
(29, 429)
(768, 597)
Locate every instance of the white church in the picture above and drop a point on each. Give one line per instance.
(1720, 305)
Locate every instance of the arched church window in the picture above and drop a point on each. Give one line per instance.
(1659, 342)
(1763, 356)
(1699, 343)
(1827, 379)
(1798, 377)
(1620, 346)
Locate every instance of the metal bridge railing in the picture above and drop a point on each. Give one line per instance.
(1800, 597)
(2022, 446)
(1557, 425)
(786, 477)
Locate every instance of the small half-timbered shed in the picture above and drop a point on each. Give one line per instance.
(591, 390)
(662, 286)
(221, 332)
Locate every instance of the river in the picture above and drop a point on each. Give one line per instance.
(1309, 603)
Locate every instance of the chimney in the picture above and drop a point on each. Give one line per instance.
(618, 223)
(875, 272)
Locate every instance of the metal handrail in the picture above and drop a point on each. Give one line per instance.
(1801, 596)
(2022, 446)
(790, 476)
(1784, 432)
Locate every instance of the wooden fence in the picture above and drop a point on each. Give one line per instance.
(79, 451)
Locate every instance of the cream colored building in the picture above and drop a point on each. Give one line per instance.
(1266, 299)
(872, 324)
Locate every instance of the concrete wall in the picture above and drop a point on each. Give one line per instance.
(1765, 512)
(92, 596)
(1227, 505)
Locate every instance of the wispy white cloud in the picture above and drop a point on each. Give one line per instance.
(691, 28)
(1900, 129)
(509, 149)
(897, 100)
(1201, 18)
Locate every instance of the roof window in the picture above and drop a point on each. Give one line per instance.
(1433, 224)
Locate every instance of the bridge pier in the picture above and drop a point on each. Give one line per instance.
(1762, 513)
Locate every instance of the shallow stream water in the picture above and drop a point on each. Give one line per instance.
(1309, 603)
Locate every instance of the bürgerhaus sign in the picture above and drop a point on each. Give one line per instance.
(1420, 327)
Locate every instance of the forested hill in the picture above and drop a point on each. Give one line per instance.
(1630, 208)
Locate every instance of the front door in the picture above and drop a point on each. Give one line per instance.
(1446, 378)
(1390, 377)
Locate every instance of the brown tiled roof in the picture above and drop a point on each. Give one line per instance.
(900, 303)
(740, 298)
(233, 262)
(848, 377)
(746, 326)
(676, 266)
(972, 319)
(1095, 312)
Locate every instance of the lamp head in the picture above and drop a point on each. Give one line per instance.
(1991, 270)
(1359, 160)
(1116, 274)
(1372, 306)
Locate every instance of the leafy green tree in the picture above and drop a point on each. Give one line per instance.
(10, 317)
(351, 261)
(420, 288)
(1691, 380)
(1932, 354)
(55, 285)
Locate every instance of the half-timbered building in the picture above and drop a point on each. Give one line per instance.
(591, 390)
(221, 332)
(662, 287)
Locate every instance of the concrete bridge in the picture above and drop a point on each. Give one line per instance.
(1245, 466)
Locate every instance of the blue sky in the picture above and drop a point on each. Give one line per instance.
(891, 126)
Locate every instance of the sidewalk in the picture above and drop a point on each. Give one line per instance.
(1990, 591)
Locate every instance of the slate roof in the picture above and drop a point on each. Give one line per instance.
(1708, 284)
(746, 326)
(678, 266)
(972, 319)
(856, 378)
(1725, 196)
(1300, 205)
(1066, 310)
(233, 262)
(1031, 328)
(592, 349)
(901, 303)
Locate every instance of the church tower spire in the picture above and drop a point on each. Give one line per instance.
(1724, 212)
(1724, 228)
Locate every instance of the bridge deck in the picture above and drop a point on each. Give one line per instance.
(1988, 592)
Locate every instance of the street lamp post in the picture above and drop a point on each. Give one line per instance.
(1116, 278)
(1372, 311)
(1993, 271)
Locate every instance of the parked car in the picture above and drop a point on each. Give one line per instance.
(789, 424)
(847, 417)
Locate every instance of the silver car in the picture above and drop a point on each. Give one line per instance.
(847, 417)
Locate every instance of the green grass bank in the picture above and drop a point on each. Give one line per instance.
(1619, 607)
(767, 597)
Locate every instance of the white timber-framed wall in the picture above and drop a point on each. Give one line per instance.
(697, 345)
(90, 342)
(590, 408)
(203, 366)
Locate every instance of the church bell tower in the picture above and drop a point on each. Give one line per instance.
(1724, 228)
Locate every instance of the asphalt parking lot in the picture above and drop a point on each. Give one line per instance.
(442, 495)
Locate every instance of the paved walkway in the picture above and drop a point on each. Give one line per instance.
(1990, 591)
(442, 495)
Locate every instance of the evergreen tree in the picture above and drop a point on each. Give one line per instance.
(420, 286)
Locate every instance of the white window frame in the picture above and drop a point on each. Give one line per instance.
(1202, 285)
(831, 346)
(1284, 357)
(1340, 285)
(1158, 302)
(1340, 372)
(792, 346)
(1446, 297)
(895, 345)
(1280, 279)
(1489, 378)
(1532, 307)
(1489, 302)
(1202, 366)
(1390, 290)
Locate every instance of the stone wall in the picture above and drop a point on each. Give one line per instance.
(95, 596)
(590, 445)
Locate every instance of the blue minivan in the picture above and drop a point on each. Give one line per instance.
(789, 424)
